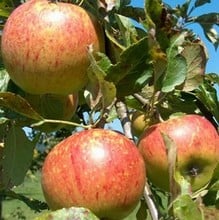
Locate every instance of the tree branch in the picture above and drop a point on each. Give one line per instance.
(124, 118)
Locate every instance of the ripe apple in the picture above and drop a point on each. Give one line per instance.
(197, 145)
(45, 46)
(59, 107)
(98, 169)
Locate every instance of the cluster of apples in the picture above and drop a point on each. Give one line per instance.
(45, 51)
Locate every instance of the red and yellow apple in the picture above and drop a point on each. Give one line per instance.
(197, 144)
(45, 46)
(57, 107)
(99, 169)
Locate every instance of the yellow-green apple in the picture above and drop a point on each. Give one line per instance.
(139, 122)
(57, 107)
(197, 144)
(45, 46)
(99, 169)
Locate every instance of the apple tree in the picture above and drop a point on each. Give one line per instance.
(71, 68)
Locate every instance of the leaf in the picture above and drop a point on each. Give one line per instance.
(207, 95)
(5, 11)
(99, 92)
(4, 80)
(176, 65)
(130, 68)
(17, 156)
(199, 3)
(172, 160)
(207, 21)
(18, 104)
(153, 11)
(177, 102)
(68, 213)
(175, 73)
(33, 204)
(127, 28)
(196, 58)
(185, 208)
(139, 213)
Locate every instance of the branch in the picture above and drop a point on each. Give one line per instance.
(104, 115)
(124, 118)
(150, 203)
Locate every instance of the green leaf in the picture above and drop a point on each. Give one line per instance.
(18, 104)
(131, 69)
(177, 102)
(196, 58)
(139, 213)
(68, 213)
(201, 2)
(127, 28)
(17, 157)
(99, 92)
(207, 21)
(176, 65)
(128, 61)
(5, 11)
(207, 94)
(153, 11)
(185, 208)
(175, 73)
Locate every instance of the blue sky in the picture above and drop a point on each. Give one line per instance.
(213, 62)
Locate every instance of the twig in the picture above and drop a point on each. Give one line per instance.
(141, 99)
(104, 115)
(150, 203)
(124, 118)
(60, 122)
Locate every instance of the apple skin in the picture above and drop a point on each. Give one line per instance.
(57, 107)
(197, 145)
(98, 169)
(45, 46)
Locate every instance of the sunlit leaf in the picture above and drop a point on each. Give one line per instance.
(127, 28)
(176, 65)
(68, 213)
(185, 208)
(17, 156)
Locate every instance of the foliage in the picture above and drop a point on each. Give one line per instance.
(153, 63)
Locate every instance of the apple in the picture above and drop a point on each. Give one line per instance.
(50, 106)
(98, 169)
(45, 46)
(139, 122)
(197, 145)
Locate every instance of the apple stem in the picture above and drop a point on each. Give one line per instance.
(150, 203)
(60, 122)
